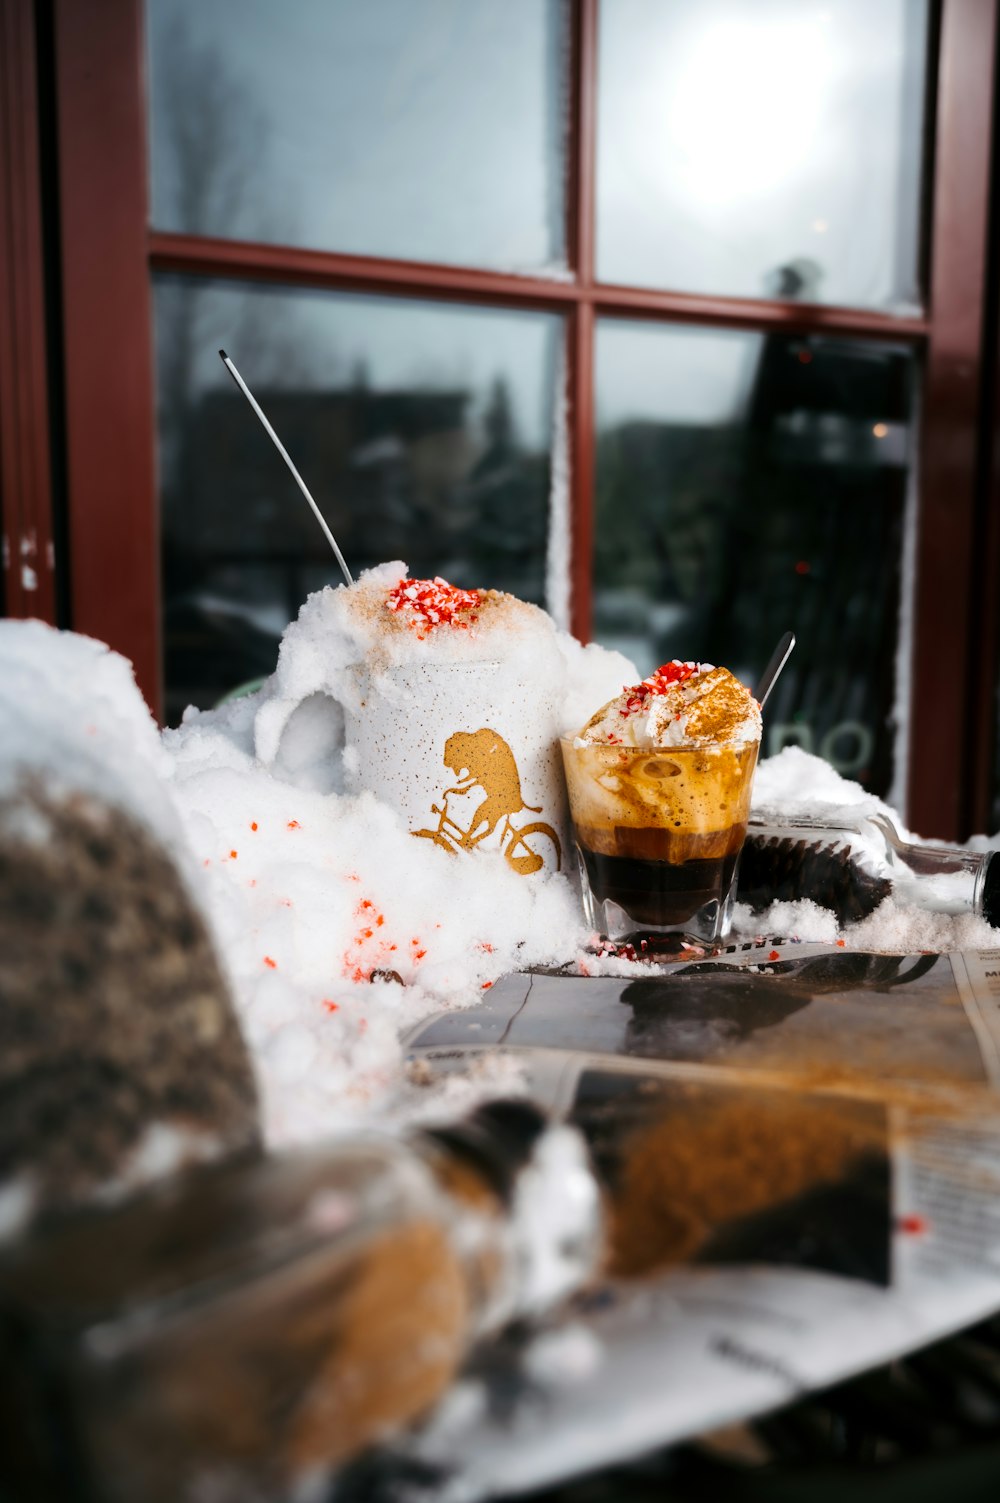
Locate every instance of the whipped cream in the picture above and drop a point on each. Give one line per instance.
(681, 704)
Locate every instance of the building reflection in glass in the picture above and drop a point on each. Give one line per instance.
(748, 484)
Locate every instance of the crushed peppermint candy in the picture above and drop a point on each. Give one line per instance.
(657, 949)
(434, 602)
(660, 682)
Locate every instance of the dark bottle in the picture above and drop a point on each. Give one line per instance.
(239, 1333)
(853, 864)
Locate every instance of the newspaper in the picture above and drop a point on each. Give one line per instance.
(802, 1145)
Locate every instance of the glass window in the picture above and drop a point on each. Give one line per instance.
(749, 484)
(417, 129)
(424, 432)
(763, 148)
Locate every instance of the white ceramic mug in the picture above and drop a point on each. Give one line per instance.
(469, 759)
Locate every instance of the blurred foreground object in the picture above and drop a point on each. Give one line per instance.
(121, 1058)
(237, 1334)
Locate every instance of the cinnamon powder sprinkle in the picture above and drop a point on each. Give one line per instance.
(720, 707)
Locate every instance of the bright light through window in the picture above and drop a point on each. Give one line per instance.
(746, 112)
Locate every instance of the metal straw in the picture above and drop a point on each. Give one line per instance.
(244, 388)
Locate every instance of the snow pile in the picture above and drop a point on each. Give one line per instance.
(796, 785)
(324, 904)
(72, 716)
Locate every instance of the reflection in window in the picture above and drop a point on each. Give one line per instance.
(423, 431)
(763, 147)
(751, 484)
(420, 129)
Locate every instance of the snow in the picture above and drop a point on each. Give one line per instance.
(557, 560)
(803, 920)
(337, 929)
(794, 784)
(72, 716)
(906, 930)
(312, 894)
(70, 712)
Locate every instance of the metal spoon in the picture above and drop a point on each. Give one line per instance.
(778, 659)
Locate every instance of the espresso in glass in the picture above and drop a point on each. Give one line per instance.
(658, 835)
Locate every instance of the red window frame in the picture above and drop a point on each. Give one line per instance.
(27, 570)
(108, 254)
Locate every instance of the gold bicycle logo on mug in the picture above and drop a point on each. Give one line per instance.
(482, 759)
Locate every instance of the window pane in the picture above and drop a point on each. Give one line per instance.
(763, 147)
(417, 129)
(748, 485)
(423, 431)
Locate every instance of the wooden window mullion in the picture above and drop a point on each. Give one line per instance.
(25, 466)
(942, 709)
(107, 332)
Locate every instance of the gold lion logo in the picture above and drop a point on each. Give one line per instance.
(482, 759)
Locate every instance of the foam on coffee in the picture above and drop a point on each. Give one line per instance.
(692, 805)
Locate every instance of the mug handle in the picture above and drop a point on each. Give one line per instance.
(302, 740)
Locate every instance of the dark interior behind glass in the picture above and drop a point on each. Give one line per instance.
(718, 530)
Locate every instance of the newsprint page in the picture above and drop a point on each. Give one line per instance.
(801, 1151)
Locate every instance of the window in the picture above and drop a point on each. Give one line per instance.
(671, 315)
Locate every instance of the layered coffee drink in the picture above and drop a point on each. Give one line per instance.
(659, 783)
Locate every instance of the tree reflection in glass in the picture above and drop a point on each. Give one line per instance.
(423, 431)
(419, 129)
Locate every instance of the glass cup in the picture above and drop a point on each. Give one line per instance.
(658, 835)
